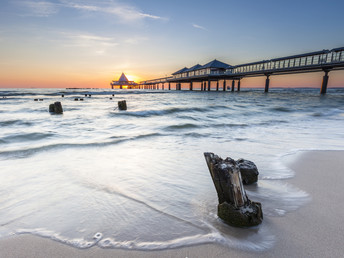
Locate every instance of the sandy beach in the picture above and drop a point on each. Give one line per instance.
(314, 230)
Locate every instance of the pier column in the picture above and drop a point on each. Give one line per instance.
(209, 85)
(239, 85)
(224, 85)
(163, 85)
(267, 82)
(324, 82)
(191, 86)
(217, 85)
(233, 85)
(169, 86)
(202, 86)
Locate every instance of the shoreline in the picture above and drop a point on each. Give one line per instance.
(313, 230)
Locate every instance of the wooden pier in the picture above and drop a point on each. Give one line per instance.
(219, 72)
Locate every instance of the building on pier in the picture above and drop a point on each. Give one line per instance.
(123, 83)
(214, 67)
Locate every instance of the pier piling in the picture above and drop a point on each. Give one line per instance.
(233, 85)
(267, 82)
(324, 82)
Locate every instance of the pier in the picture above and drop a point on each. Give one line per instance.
(226, 76)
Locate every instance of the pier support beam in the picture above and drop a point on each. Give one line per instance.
(324, 82)
(224, 85)
(169, 86)
(209, 85)
(267, 83)
(239, 85)
(202, 86)
(191, 86)
(233, 85)
(217, 85)
(163, 85)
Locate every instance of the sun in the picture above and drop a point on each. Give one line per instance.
(132, 78)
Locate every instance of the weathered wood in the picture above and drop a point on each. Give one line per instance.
(56, 108)
(234, 207)
(122, 105)
(248, 170)
(51, 108)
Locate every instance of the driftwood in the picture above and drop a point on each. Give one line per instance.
(234, 207)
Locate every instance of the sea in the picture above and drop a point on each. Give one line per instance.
(137, 179)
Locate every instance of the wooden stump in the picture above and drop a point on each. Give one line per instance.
(122, 105)
(248, 170)
(56, 108)
(51, 108)
(234, 207)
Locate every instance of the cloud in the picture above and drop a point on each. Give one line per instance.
(199, 27)
(38, 8)
(123, 11)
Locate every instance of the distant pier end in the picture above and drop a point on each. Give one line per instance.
(124, 83)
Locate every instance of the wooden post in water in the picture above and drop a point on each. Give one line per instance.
(217, 85)
(224, 85)
(267, 83)
(209, 84)
(239, 85)
(324, 82)
(233, 85)
(191, 86)
(202, 86)
(169, 86)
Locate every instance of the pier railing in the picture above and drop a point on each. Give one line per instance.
(320, 59)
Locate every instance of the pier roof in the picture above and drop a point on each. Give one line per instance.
(181, 71)
(216, 64)
(195, 67)
(123, 78)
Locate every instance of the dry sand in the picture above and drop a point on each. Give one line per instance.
(315, 230)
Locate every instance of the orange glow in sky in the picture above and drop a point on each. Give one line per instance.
(56, 43)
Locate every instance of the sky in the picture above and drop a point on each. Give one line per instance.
(86, 43)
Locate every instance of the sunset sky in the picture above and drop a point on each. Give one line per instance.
(74, 43)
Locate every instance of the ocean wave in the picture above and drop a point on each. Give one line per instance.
(23, 153)
(14, 122)
(182, 126)
(99, 239)
(150, 113)
(281, 109)
(26, 137)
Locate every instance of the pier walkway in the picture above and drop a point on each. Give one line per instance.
(216, 71)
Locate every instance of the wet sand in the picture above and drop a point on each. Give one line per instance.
(314, 230)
